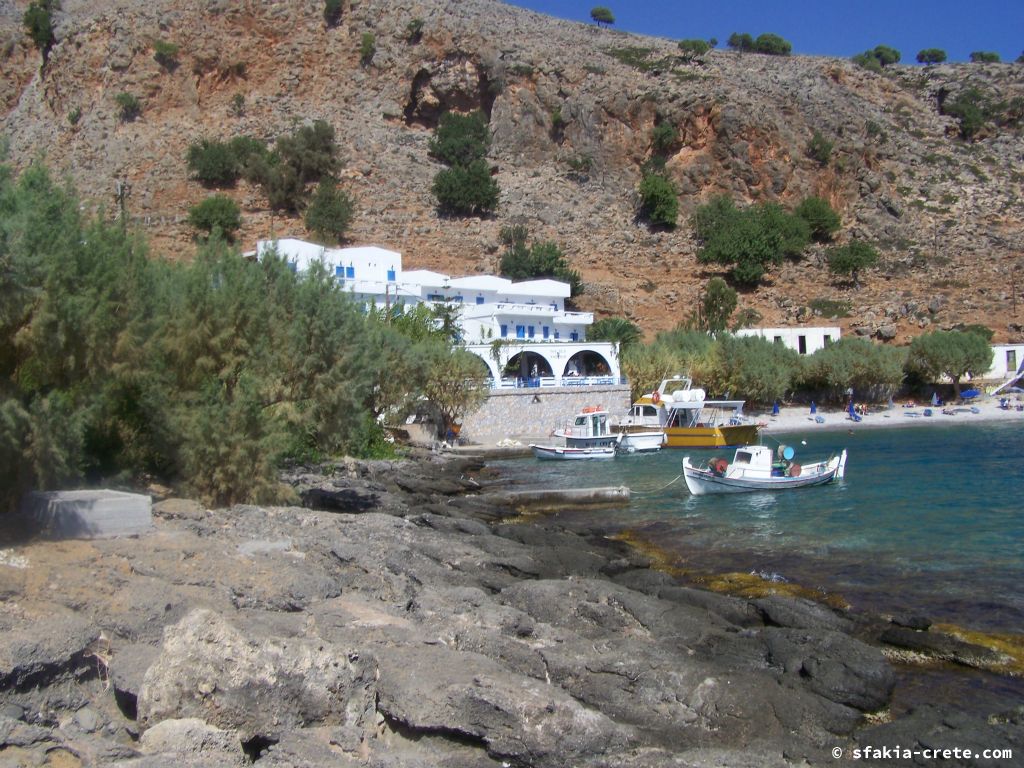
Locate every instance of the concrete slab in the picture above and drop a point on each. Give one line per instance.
(94, 514)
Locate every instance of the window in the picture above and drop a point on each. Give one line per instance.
(520, 331)
(350, 272)
(529, 332)
(1011, 361)
(293, 266)
(546, 331)
(457, 299)
(504, 331)
(778, 339)
(479, 299)
(339, 271)
(558, 334)
(435, 297)
(574, 336)
(802, 344)
(828, 339)
(391, 275)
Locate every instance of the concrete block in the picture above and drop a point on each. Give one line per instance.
(88, 514)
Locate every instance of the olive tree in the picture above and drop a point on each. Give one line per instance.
(602, 15)
(949, 353)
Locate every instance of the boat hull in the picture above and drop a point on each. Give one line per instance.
(710, 437)
(568, 453)
(641, 442)
(702, 482)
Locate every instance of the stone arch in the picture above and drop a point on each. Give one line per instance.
(587, 362)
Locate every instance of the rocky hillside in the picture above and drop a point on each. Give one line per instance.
(945, 213)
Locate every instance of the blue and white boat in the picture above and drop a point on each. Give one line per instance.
(588, 436)
(759, 468)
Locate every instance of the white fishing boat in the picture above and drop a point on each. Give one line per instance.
(758, 468)
(587, 436)
(639, 430)
(646, 441)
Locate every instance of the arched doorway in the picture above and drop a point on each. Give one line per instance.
(527, 367)
(587, 363)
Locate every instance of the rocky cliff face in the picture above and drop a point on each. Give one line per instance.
(945, 213)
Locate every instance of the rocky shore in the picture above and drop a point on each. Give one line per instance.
(408, 619)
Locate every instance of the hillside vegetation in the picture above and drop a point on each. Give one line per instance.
(922, 163)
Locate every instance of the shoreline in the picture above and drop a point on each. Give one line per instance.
(417, 623)
(799, 418)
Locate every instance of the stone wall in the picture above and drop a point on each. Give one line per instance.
(529, 415)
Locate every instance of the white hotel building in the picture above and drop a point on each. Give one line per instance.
(520, 330)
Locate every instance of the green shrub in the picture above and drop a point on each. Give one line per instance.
(750, 239)
(330, 212)
(971, 108)
(75, 115)
(751, 367)
(659, 200)
(617, 330)
(949, 353)
(873, 371)
(694, 49)
(831, 308)
(310, 152)
(985, 57)
(367, 48)
(931, 56)
(820, 217)
(414, 31)
(819, 148)
(129, 107)
(216, 213)
(38, 21)
(332, 12)
(717, 305)
(772, 45)
(740, 41)
(522, 261)
(602, 15)
(850, 259)
(664, 137)
(213, 163)
(466, 190)
(166, 54)
(877, 58)
(460, 139)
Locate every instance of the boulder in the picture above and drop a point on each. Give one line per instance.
(256, 685)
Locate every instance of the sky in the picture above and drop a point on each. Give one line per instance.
(824, 27)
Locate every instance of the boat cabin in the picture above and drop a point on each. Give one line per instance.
(757, 462)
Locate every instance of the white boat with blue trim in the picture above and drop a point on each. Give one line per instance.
(759, 468)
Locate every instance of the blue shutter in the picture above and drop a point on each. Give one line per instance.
(391, 275)
(504, 331)
(520, 331)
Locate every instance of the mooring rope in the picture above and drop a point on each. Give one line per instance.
(656, 490)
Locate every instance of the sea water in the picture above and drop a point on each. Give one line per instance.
(928, 521)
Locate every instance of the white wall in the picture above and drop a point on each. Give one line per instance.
(814, 338)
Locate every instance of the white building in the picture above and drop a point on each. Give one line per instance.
(804, 341)
(1007, 359)
(521, 330)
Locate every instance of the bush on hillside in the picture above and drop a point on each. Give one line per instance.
(216, 213)
(820, 217)
(694, 49)
(332, 12)
(771, 44)
(527, 261)
(877, 58)
(367, 48)
(931, 56)
(659, 200)
(330, 212)
(38, 21)
(460, 139)
(985, 57)
(466, 190)
(819, 148)
(128, 107)
(851, 259)
(602, 15)
(740, 41)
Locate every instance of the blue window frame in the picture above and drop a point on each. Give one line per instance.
(574, 336)
(391, 275)
(546, 331)
(504, 331)
(339, 271)
(293, 266)
(435, 297)
(479, 299)
(520, 331)
(350, 272)
(456, 299)
(529, 331)
(558, 334)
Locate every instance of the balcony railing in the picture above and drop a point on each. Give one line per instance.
(534, 382)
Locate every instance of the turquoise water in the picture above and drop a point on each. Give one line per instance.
(928, 520)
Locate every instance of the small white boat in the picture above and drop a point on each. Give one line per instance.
(562, 453)
(587, 437)
(758, 468)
